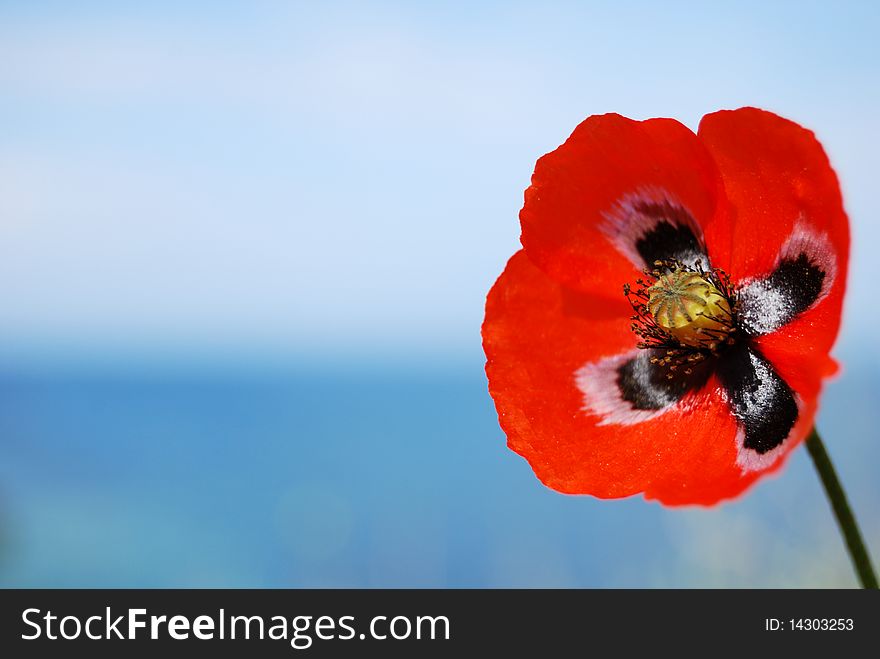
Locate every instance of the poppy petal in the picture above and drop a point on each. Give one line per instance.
(615, 197)
(545, 345)
(799, 348)
(786, 219)
(783, 201)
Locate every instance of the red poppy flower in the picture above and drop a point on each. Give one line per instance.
(733, 246)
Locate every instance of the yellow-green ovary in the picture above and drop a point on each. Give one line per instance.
(690, 308)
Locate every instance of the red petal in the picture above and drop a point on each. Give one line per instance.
(537, 336)
(776, 177)
(607, 158)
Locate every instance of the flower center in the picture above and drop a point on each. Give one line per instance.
(690, 308)
(683, 309)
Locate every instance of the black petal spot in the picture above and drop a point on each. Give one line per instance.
(651, 225)
(666, 240)
(768, 304)
(653, 386)
(761, 401)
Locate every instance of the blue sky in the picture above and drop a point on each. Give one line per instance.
(339, 183)
(343, 179)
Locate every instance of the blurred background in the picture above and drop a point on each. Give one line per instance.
(244, 250)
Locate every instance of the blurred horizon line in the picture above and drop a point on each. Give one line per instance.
(35, 359)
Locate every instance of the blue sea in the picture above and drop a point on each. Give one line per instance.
(369, 477)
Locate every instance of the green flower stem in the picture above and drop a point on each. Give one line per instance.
(845, 519)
